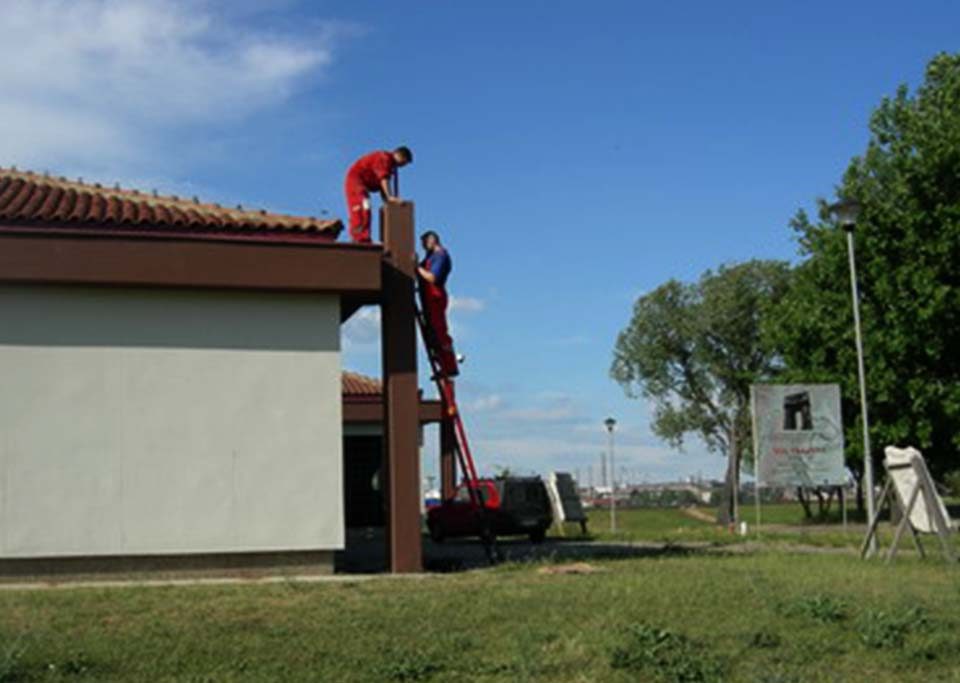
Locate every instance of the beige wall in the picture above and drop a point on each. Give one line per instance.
(147, 422)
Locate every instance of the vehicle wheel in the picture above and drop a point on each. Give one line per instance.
(538, 535)
(436, 534)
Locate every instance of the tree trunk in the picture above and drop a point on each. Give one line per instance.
(831, 492)
(728, 511)
(818, 492)
(802, 497)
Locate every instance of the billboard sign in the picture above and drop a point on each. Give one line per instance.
(798, 435)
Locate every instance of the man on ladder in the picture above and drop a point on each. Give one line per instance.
(371, 173)
(433, 273)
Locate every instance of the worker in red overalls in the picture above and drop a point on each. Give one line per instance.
(433, 273)
(371, 173)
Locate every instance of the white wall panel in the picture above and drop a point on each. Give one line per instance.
(146, 422)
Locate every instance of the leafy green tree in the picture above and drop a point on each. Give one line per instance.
(695, 349)
(908, 257)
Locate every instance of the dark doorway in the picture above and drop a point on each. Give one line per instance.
(362, 457)
(365, 550)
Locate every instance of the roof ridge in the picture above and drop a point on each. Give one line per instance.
(193, 211)
(151, 198)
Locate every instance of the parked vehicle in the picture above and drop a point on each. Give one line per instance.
(512, 506)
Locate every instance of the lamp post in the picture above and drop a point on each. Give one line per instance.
(847, 212)
(610, 424)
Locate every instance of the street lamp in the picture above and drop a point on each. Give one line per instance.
(847, 212)
(610, 424)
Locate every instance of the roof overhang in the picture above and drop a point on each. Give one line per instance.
(320, 266)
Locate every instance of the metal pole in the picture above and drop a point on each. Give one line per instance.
(733, 468)
(843, 503)
(604, 477)
(867, 459)
(756, 453)
(613, 489)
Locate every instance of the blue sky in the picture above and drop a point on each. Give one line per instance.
(573, 155)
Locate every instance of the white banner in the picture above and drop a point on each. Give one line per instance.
(798, 435)
(564, 498)
(899, 465)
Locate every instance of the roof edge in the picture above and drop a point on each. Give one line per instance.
(164, 232)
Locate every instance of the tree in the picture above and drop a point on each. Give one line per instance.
(695, 349)
(908, 257)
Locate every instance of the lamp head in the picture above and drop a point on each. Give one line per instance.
(610, 423)
(847, 212)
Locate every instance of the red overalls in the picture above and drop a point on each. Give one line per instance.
(363, 178)
(434, 301)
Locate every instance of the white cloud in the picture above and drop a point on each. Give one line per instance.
(363, 328)
(545, 450)
(554, 429)
(466, 304)
(107, 84)
(486, 403)
(549, 407)
(544, 409)
(556, 413)
(536, 447)
(553, 395)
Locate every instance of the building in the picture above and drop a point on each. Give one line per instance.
(172, 381)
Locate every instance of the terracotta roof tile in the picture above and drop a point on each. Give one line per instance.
(360, 385)
(42, 201)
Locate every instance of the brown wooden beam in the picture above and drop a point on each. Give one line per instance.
(368, 411)
(399, 339)
(317, 266)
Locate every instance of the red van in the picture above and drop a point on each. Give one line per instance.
(513, 506)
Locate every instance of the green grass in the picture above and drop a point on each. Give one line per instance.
(657, 525)
(784, 523)
(792, 513)
(769, 617)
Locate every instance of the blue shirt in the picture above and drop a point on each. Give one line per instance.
(440, 265)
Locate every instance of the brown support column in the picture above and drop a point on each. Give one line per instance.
(400, 393)
(448, 456)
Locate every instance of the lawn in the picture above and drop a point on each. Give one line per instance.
(765, 617)
(783, 523)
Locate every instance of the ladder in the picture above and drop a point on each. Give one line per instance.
(452, 412)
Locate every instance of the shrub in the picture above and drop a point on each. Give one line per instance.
(665, 656)
(880, 630)
(409, 666)
(11, 663)
(952, 481)
(764, 640)
(823, 608)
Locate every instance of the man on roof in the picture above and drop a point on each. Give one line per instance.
(371, 173)
(433, 273)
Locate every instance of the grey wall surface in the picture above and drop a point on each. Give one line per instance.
(153, 422)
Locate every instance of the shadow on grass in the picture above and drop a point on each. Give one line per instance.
(465, 555)
(366, 552)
